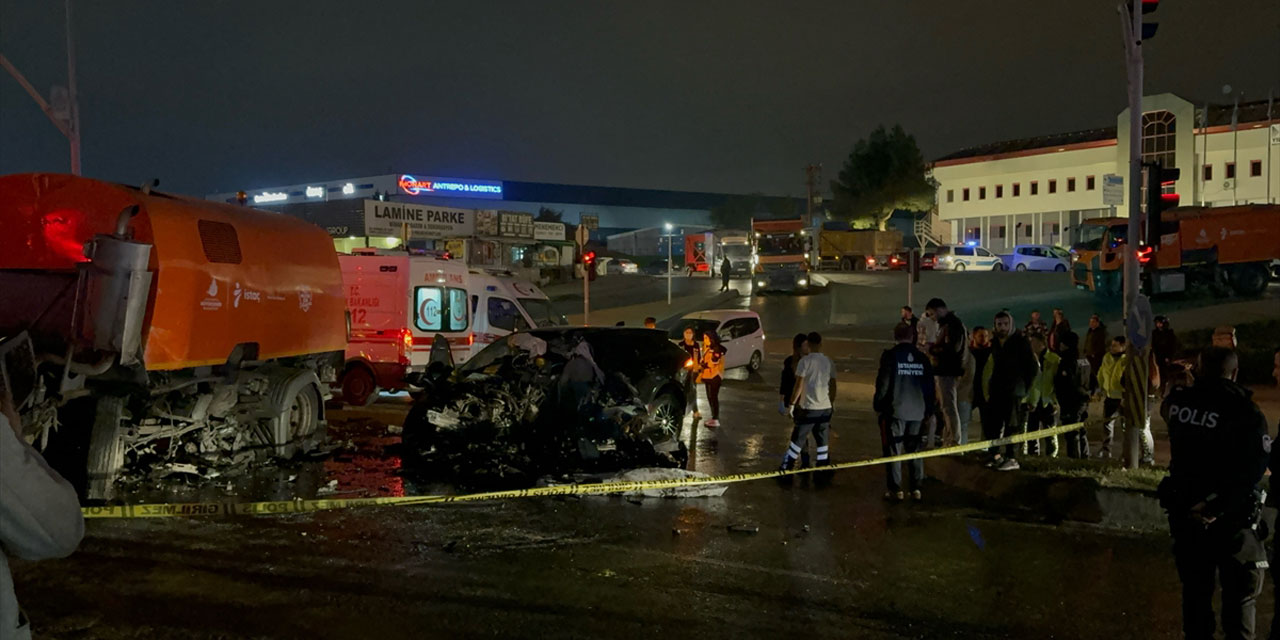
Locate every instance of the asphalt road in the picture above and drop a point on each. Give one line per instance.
(762, 559)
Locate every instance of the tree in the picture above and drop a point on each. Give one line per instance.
(884, 172)
(546, 214)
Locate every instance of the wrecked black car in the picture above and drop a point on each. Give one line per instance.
(553, 400)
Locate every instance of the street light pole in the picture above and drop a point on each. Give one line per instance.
(669, 236)
(68, 124)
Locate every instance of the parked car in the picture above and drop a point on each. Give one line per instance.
(656, 268)
(966, 258)
(1037, 257)
(509, 401)
(739, 331)
(928, 261)
(879, 263)
(622, 266)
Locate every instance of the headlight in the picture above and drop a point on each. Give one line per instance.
(806, 256)
(760, 284)
(802, 282)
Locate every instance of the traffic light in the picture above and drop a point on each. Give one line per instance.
(589, 265)
(1148, 28)
(1159, 179)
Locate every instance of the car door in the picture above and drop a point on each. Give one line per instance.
(985, 259)
(737, 351)
(754, 336)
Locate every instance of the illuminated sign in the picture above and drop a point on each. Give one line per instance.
(270, 196)
(348, 189)
(470, 188)
(315, 192)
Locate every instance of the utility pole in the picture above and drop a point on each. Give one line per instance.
(812, 174)
(66, 120)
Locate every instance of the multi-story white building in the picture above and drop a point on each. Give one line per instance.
(1037, 190)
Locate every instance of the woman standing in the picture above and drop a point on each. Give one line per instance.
(1061, 327)
(712, 374)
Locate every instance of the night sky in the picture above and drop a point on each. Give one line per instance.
(731, 96)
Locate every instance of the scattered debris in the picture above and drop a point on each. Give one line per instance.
(293, 478)
(178, 468)
(331, 487)
(744, 528)
(395, 430)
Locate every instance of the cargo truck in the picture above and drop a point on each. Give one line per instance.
(700, 253)
(165, 328)
(736, 246)
(780, 252)
(855, 249)
(1222, 248)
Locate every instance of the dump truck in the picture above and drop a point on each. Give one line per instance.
(1224, 249)
(854, 249)
(780, 251)
(164, 328)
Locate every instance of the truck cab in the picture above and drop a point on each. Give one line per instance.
(780, 250)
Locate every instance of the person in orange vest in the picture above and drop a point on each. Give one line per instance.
(712, 374)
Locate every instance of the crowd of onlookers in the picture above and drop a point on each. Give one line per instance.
(1018, 380)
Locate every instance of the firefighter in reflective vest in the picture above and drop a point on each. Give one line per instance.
(1219, 449)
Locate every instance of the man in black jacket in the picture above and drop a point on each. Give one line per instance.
(1006, 380)
(1071, 386)
(1219, 447)
(904, 396)
(948, 357)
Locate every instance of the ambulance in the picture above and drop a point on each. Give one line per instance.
(399, 303)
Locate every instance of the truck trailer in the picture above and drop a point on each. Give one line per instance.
(1222, 248)
(855, 249)
(166, 327)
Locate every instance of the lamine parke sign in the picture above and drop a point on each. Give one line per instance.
(389, 219)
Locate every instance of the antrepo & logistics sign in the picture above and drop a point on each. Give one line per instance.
(415, 186)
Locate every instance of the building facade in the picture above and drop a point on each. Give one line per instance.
(1037, 190)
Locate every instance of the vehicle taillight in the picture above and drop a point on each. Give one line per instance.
(871, 261)
(406, 346)
(471, 339)
(1145, 254)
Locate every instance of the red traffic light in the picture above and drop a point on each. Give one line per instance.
(589, 257)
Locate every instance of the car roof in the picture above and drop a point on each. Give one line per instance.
(721, 314)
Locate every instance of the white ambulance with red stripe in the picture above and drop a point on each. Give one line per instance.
(399, 303)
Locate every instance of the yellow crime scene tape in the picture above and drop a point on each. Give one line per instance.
(304, 506)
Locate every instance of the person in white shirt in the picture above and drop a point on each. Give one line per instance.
(39, 514)
(811, 402)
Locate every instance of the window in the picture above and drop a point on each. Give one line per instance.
(738, 328)
(1255, 168)
(1017, 189)
(1208, 172)
(1026, 230)
(1035, 187)
(965, 194)
(1071, 184)
(1159, 138)
(973, 234)
(983, 253)
(433, 306)
(1000, 231)
(963, 251)
(503, 314)
(951, 195)
(1231, 170)
(999, 191)
(1053, 186)
(1089, 183)
(982, 193)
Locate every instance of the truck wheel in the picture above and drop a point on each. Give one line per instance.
(359, 388)
(846, 264)
(106, 447)
(297, 425)
(1249, 280)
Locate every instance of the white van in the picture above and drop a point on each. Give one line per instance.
(399, 303)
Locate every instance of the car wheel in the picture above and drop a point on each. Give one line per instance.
(960, 266)
(359, 389)
(756, 359)
(1062, 268)
(1021, 267)
(666, 417)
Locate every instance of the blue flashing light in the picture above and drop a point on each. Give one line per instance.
(971, 243)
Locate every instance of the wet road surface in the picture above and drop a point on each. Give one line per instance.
(836, 561)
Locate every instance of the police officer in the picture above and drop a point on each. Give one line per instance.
(1219, 449)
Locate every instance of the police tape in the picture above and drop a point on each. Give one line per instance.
(281, 507)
